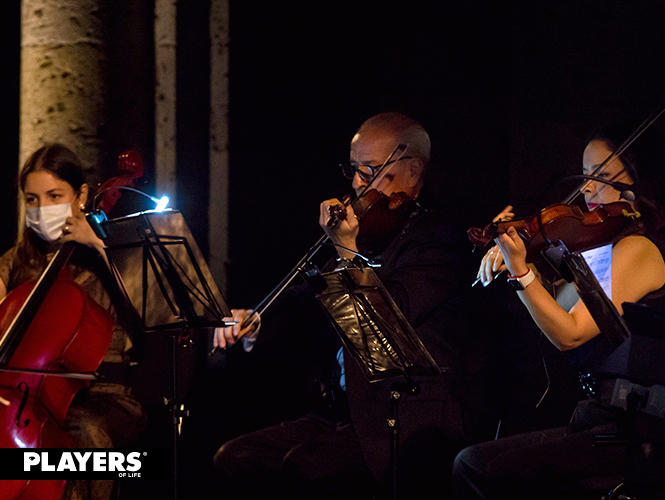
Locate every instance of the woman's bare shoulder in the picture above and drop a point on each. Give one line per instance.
(636, 246)
(637, 259)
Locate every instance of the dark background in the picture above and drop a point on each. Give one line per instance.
(508, 91)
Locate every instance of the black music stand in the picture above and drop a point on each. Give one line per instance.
(573, 268)
(371, 326)
(162, 274)
(378, 336)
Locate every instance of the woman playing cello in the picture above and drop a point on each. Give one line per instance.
(54, 193)
(544, 464)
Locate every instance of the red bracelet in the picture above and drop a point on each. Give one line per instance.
(520, 276)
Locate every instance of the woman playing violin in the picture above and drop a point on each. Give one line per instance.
(53, 193)
(543, 463)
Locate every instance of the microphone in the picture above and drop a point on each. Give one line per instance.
(628, 191)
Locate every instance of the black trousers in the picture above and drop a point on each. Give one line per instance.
(314, 457)
(550, 464)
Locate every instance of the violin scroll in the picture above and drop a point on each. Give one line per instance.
(337, 213)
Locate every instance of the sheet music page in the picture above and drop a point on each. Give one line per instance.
(599, 261)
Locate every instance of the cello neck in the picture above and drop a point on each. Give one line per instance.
(14, 333)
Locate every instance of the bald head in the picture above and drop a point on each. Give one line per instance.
(403, 130)
(373, 144)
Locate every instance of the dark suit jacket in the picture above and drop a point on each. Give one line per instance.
(427, 270)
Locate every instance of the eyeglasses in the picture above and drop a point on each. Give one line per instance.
(365, 172)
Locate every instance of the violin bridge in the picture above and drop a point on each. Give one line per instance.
(4, 401)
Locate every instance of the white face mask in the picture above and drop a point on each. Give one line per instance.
(48, 221)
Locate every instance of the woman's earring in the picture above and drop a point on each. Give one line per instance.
(82, 207)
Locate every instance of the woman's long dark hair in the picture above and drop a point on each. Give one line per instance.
(59, 161)
(63, 164)
(644, 161)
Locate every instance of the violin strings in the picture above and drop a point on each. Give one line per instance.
(403, 147)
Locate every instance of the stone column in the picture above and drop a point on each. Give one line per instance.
(165, 98)
(218, 206)
(63, 75)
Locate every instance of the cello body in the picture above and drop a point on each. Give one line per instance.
(69, 333)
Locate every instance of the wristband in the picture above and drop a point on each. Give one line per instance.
(521, 282)
(510, 276)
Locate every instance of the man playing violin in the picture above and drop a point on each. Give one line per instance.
(344, 450)
(554, 463)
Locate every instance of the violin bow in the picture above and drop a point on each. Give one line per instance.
(268, 300)
(660, 109)
(341, 212)
(286, 281)
(400, 147)
(617, 152)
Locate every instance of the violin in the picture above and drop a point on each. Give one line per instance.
(380, 218)
(565, 222)
(579, 230)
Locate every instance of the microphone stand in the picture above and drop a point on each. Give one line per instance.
(627, 190)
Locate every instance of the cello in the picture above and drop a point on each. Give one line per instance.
(54, 336)
(38, 343)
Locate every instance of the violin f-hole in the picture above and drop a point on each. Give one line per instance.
(23, 387)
